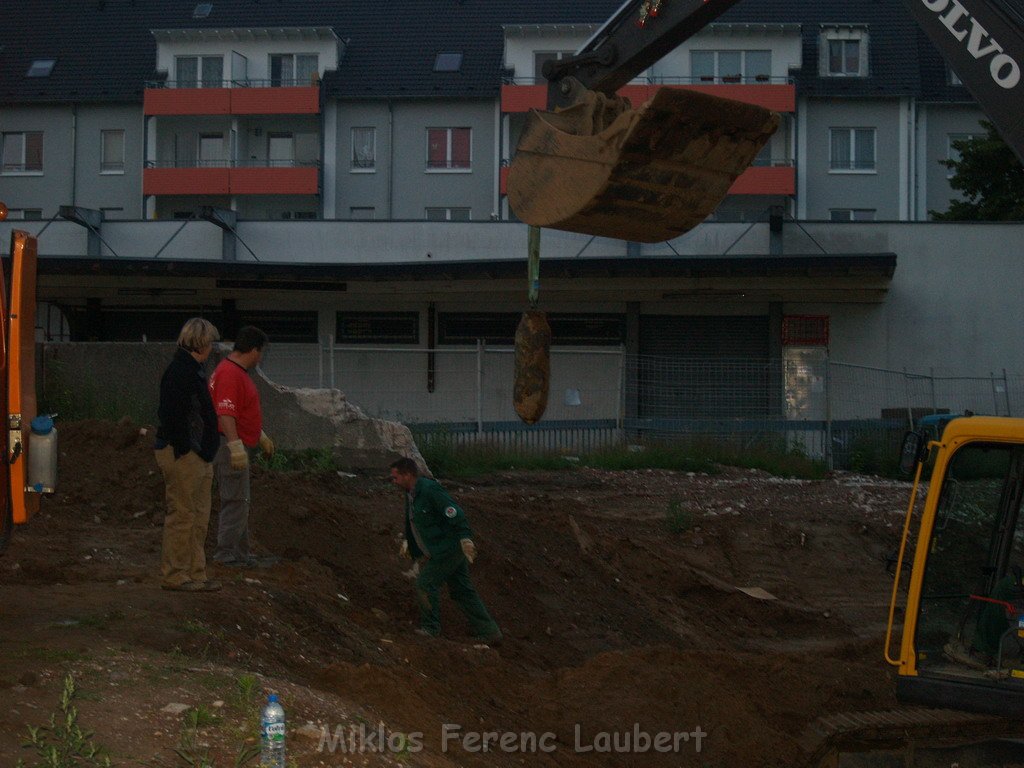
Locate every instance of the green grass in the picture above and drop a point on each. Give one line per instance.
(678, 518)
(308, 460)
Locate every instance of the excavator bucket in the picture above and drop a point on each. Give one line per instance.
(646, 175)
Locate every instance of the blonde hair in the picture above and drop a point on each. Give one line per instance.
(196, 334)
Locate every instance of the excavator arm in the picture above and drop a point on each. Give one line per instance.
(593, 164)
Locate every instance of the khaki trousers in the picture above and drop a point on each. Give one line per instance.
(188, 483)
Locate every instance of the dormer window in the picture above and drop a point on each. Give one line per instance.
(41, 68)
(844, 52)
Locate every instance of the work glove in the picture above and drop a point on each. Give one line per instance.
(468, 549)
(404, 551)
(239, 456)
(266, 445)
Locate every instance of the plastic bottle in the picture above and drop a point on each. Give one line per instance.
(42, 455)
(272, 747)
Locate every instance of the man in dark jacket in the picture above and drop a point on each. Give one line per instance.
(186, 442)
(438, 537)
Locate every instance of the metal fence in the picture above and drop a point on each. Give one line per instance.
(849, 415)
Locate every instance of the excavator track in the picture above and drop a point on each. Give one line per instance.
(830, 737)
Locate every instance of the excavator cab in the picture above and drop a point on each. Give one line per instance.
(963, 633)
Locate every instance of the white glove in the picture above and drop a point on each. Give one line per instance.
(468, 549)
(266, 445)
(239, 456)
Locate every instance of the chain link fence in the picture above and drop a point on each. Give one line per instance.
(851, 416)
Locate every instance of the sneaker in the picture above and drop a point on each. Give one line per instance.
(210, 585)
(264, 561)
(185, 586)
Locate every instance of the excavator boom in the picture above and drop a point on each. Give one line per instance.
(593, 164)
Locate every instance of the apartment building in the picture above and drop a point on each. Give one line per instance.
(329, 173)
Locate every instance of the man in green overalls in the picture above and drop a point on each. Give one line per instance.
(438, 537)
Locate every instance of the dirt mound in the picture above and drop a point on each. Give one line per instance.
(619, 593)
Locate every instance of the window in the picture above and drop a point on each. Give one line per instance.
(844, 52)
(362, 212)
(293, 69)
(23, 152)
(851, 214)
(189, 69)
(448, 62)
(852, 149)
(540, 58)
(952, 153)
(211, 150)
(112, 151)
(377, 328)
(449, 149)
(25, 214)
(298, 215)
(364, 150)
(280, 150)
(41, 68)
(731, 66)
(447, 214)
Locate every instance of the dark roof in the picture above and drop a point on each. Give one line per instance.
(105, 51)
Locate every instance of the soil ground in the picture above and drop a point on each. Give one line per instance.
(617, 593)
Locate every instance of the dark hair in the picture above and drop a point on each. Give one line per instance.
(250, 337)
(405, 466)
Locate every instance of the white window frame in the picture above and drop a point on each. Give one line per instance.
(448, 212)
(852, 214)
(372, 167)
(718, 76)
(844, 34)
(294, 79)
(448, 157)
(853, 148)
(19, 169)
(199, 71)
(109, 167)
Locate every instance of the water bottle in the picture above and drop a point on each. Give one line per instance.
(272, 734)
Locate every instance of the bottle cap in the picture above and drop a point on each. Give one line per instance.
(272, 698)
(42, 424)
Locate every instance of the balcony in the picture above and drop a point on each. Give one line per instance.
(223, 178)
(777, 94)
(235, 97)
(778, 178)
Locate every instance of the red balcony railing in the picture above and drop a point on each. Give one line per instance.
(220, 178)
(253, 97)
(777, 96)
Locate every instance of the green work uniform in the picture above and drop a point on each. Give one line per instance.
(434, 528)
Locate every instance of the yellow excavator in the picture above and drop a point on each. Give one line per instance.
(593, 164)
(30, 465)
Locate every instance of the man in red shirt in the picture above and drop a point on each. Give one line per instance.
(240, 422)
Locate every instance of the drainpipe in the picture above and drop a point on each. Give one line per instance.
(391, 160)
(74, 151)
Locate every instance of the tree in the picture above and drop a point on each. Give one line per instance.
(989, 177)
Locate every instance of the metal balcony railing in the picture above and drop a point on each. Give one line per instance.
(674, 80)
(275, 82)
(257, 163)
